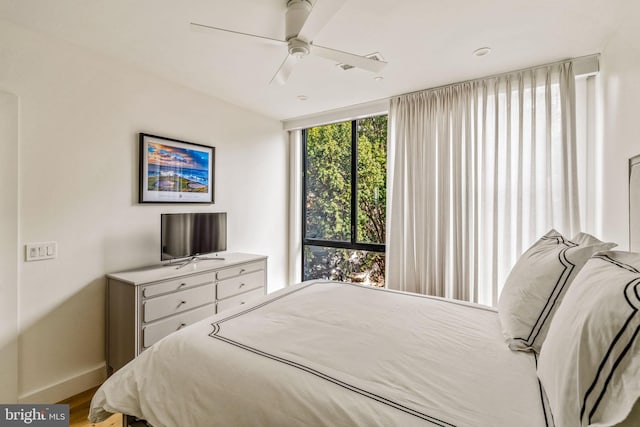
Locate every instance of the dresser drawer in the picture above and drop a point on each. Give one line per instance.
(240, 270)
(177, 284)
(239, 299)
(242, 283)
(158, 330)
(178, 302)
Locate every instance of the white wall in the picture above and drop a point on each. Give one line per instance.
(8, 247)
(620, 80)
(80, 113)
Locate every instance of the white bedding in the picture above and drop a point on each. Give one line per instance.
(332, 354)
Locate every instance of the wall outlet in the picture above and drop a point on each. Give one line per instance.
(40, 251)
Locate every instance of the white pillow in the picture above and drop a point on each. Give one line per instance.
(537, 283)
(589, 366)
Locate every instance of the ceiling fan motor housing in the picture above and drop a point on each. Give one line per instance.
(297, 13)
(298, 48)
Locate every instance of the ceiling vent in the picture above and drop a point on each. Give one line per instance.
(375, 56)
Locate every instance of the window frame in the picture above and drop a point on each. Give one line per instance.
(353, 242)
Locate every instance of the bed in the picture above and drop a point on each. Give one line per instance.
(333, 354)
(324, 353)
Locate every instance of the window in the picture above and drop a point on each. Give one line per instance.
(344, 201)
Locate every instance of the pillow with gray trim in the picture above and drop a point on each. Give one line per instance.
(537, 283)
(589, 365)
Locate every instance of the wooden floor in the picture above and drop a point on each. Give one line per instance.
(79, 410)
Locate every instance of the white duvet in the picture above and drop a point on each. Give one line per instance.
(332, 354)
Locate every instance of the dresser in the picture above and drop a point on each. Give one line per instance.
(147, 304)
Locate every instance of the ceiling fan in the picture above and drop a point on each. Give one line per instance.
(302, 22)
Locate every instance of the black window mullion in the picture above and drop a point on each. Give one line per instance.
(304, 196)
(371, 247)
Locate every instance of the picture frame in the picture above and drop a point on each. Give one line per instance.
(175, 171)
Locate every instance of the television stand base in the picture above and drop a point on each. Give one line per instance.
(195, 259)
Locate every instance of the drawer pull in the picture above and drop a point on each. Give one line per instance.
(242, 270)
(241, 302)
(181, 303)
(181, 285)
(241, 285)
(182, 325)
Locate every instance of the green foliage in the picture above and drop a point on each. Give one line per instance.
(345, 265)
(328, 198)
(372, 179)
(329, 182)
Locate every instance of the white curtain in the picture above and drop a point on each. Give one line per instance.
(478, 171)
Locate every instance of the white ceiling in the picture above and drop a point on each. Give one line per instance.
(426, 43)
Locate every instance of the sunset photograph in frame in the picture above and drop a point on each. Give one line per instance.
(174, 171)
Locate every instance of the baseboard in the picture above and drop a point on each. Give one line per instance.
(67, 388)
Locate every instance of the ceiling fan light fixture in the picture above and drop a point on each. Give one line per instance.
(299, 52)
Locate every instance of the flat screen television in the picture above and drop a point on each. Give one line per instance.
(189, 235)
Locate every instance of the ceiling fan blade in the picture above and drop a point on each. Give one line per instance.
(321, 13)
(283, 73)
(208, 28)
(339, 56)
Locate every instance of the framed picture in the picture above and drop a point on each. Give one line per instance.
(173, 171)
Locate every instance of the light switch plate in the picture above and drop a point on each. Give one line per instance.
(40, 251)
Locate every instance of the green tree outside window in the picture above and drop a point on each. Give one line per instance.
(345, 201)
